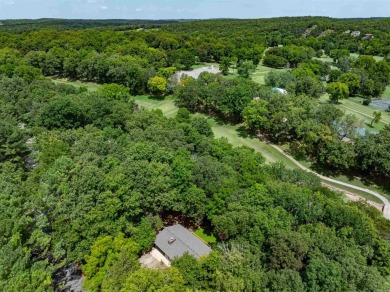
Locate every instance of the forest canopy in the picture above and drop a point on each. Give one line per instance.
(88, 178)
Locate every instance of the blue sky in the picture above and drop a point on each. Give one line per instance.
(173, 9)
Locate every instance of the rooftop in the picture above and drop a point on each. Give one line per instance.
(176, 240)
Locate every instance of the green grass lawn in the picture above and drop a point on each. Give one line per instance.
(377, 58)
(166, 105)
(201, 65)
(354, 106)
(359, 183)
(89, 85)
(354, 191)
(232, 135)
(260, 73)
(386, 94)
(209, 238)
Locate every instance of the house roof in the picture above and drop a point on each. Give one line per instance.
(279, 90)
(176, 240)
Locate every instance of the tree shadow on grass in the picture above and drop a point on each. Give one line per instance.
(369, 125)
(157, 97)
(320, 169)
(244, 133)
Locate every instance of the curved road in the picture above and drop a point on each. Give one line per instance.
(386, 208)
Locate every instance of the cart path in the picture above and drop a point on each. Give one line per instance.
(386, 203)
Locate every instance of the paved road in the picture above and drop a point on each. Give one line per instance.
(386, 208)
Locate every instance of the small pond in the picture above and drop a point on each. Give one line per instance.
(382, 104)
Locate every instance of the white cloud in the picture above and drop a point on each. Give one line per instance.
(104, 7)
(10, 3)
(138, 9)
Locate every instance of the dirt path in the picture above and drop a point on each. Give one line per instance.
(386, 203)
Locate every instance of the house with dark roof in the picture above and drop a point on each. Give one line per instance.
(176, 240)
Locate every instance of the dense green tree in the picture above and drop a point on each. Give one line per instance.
(377, 117)
(279, 79)
(255, 114)
(309, 86)
(352, 81)
(62, 112)
(334, 75)
(158, 85)
(168, 279)
(186, 59)
(225, 65)
(109, 263)
(337, 155)
(274, 61)
(245, 69)
(113, 92)
(337, 91)
(339, 53)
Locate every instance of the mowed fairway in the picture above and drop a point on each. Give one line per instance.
(89, 85)
(260, 73)
(167, 105)
(353, 105)
(231, 134)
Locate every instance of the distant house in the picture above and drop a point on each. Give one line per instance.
(355, 33)
(279, 90)
(368, 36)
(176, 240)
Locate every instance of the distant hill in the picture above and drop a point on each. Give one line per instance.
(25, 25)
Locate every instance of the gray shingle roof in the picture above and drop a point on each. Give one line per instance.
(184, 241)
